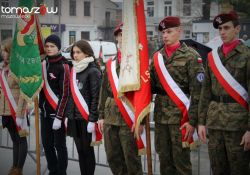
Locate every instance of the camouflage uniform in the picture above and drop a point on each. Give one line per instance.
(184, 68)
(226, 120)
(120, 145)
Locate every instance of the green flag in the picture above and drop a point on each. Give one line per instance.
(25, 62)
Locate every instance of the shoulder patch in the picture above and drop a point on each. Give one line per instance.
(199, 60)
(200, 77)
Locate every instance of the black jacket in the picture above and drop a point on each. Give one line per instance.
(89, 84)
(58, 72)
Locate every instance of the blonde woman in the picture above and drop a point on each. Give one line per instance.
(8, 120)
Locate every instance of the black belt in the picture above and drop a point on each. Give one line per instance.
(223, 99)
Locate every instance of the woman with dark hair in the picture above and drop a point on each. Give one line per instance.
(82, 107)
(14, 120)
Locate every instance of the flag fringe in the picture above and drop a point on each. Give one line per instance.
(23, 133)
(96, 143)
(142, 151)
(142, 115)
(192, 145)
(128, 88)
(28, 99)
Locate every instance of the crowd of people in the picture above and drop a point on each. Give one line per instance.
(79, 100)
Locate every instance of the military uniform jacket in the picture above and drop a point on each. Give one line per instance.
(217, 110)
(186, 70)
(108, 108)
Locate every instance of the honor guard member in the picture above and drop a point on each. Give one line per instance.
(120, 144)
(176, 75)
(224, 101)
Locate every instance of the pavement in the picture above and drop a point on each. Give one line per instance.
(199, 158)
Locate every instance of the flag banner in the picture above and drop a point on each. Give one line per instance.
(25, 62)
(129, 71)
(134, 73)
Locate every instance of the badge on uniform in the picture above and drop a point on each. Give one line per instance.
(200, 77)
(199, 60)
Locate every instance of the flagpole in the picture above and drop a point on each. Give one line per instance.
(148, 140)
(38, 165)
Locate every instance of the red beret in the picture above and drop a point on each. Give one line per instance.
(225, 17)
(169, 22)
(118, 29)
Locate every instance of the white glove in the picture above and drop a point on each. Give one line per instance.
(91, 127)
(20, 121)
(57, 124)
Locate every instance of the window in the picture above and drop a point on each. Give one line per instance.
(72, 7)
(85, 35)
(5, 3)
(150, 8)
(86, 5)
(168, 8)
(186, 7)
(56, 5)
(72, 37)
(6, 34)
(86, 8)
(150, 33)
(187, 34)
(107, 19)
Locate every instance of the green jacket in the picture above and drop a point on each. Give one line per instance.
(184, 68)
(108, 109)
(221, 115)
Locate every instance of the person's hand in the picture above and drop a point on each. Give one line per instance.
(246, 141)
(20, 121)
(91, 127)
(202, 133)
(189, 130)
(140, 129)
(100, 125)
(57, 124)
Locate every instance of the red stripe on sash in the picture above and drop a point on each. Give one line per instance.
(4, 87)
(178, 102)
(223, 82)
(48, 96)
(122, 109)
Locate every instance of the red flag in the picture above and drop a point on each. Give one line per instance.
(134, 79)
(142, 97)
(39, 36)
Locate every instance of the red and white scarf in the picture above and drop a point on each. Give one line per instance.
(227, 81)
(11, 101)
(174, 92)
(126, 112)
(83, 107)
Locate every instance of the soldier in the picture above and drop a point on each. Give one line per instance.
(120, 144)
(176, 76)
(223, 106)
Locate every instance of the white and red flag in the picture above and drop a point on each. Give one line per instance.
(134, 77)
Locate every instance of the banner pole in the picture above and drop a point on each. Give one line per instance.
(148, 140)
(38, 164)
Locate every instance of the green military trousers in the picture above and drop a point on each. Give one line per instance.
(226, 155)
(174, 160)
(121, 150)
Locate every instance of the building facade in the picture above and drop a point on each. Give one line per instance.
(73, 20)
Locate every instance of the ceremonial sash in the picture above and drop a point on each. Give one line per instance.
(49, 94)
(83, 107)
(174, 92)
(126, 112)
(11, 101)
(226, 80)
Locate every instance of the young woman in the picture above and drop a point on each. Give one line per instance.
(15, 122)
(82, 107)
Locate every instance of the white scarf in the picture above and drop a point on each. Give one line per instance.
(81, 65)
